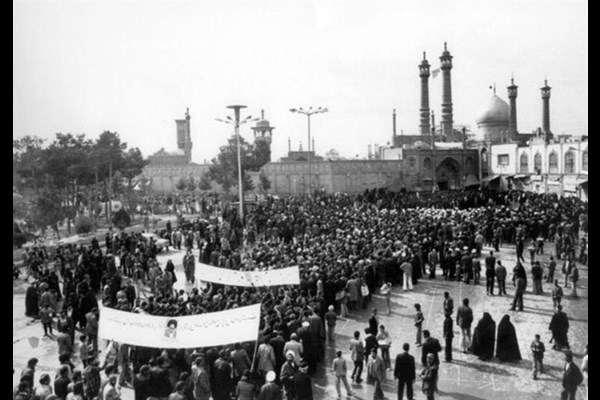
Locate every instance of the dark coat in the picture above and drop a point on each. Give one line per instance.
(405, 367)
(507, 346)
(430, 345)
(559, 326)
(370, 344)
(572, 377)
(303, 386)
(484, 338)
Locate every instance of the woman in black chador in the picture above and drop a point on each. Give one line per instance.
(484, 338)
(507, 348)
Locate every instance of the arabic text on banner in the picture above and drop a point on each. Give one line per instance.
(223, 276)
(192, 331)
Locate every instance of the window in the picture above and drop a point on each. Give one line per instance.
(411, 162)
(584, 160)
(503, 159)
(427, 163)
(569, 162)
(524, 163)
(537, 163)
(553, 163)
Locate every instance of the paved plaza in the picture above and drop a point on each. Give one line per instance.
(466, 378)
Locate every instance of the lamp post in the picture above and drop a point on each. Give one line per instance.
(308, 113)
(236, 123)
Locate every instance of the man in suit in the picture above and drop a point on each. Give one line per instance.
(572, 378)
(373, 323)
(370, 342)
(490, 273)
(405, 373)
(448, 303)
(430, 345)
(448, 335)
(376, 373)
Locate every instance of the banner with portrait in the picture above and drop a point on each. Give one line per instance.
(230, 277)
(192, 331)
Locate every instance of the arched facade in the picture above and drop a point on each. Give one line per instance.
(448, 174)
(553, 163)
(524, 163)
(569, 162)
(537, 163)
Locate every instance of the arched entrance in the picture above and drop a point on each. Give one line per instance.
(447, 174)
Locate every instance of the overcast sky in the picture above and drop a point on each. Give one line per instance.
(134, 66)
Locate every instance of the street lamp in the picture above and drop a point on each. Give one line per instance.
(308, 113)
(236, 123)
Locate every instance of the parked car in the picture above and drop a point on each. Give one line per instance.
(160, 242)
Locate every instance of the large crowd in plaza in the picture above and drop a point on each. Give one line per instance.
(347, 248)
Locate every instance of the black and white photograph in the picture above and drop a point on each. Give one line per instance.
(300, 200)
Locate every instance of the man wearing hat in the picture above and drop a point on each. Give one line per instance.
(270, 390)
(286, 376)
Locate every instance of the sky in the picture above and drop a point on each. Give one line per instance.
(134, 67)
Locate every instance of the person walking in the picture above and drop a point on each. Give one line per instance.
(520, 280)
(557, 294)
(404, 372)
(448, 335)
(559, 326)
(373, 323)
(429, 374)
(551, 270)
(572, 378)
(357, 355)
(537, 274)
(464, 319)
(448, 303)
(507, 345)
(418, 323)
(537, 354)
(384, 341)
(270, 390)
(500, 273)
(386, 291)
(406, 268)
(490, 263)
(189, 266)
(330, 318)
(340, 370)
(574, 280)
(376, 374)
(484, 338)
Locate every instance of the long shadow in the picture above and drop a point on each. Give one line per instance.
(486, 368)
(533, 311)
(461, 396)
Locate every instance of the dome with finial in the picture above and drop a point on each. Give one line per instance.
(494, 112)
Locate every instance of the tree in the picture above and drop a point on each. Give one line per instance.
(27, 160)
(224, 168)
(265, 183)
(133, 165)
(191, 184)
(48, 211)
(121, 219)
(109, 158)
(204, 183)
(181, 184)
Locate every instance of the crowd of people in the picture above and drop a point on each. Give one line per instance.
(346, 248)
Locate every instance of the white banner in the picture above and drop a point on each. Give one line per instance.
(203, 330)
(230, 277)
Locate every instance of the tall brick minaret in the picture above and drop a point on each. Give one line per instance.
(512, 111)
(446, 61)
(184, 137)
(546, 113)
(424, 127)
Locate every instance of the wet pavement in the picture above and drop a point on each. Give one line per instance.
(466, 377)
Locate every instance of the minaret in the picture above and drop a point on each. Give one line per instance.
(184, 139)
(263, 130)
(424, 110)
(546, 113)
(512, 111)
(446, 61)
(394, 123)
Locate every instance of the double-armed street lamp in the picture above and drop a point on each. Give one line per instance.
(308, 113)
(236, 123)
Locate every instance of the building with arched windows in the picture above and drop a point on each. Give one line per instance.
(556, 166)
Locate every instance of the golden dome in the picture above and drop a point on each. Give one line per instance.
(494, 112)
